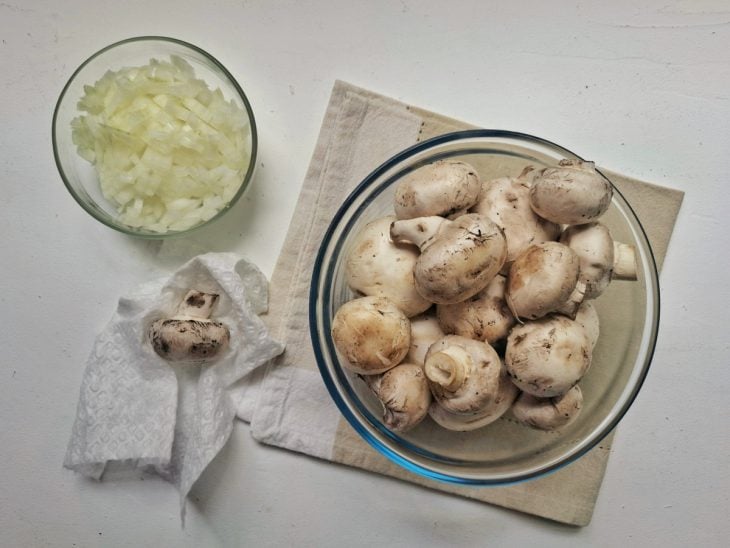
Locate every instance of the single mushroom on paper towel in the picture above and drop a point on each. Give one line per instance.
(190, 335)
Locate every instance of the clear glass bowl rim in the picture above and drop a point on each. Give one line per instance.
(314, 298)
(249, 112)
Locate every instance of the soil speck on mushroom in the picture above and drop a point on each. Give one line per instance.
(190, 335)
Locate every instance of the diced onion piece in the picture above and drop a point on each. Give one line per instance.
(170, 152)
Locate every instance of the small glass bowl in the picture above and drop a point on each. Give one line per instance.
(80, 176)
(505, 451)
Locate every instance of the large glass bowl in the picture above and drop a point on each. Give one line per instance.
(505, 451)
(80, 176)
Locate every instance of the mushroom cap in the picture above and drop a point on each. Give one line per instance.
(506, 201)
(443, 188)
(377, 266)
(484, 317)
(593, 244)
(372, 334)
(471, 382)
(547, 357)
(548, 413)
(461, 260)
(183, 339)
(425, 330)
(587, 317)
(404, 393)
(541, 280)
(506, 395)
(573, 193)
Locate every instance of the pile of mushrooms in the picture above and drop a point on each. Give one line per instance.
(476, 297)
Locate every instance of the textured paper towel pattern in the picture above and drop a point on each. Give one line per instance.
(357, 128)
(138, 409)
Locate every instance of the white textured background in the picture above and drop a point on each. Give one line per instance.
(640, 87)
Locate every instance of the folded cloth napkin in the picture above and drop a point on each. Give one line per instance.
(138, 410)
(288, 405)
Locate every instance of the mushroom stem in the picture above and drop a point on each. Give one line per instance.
(570, 307)
(420, 231)
(448, 367)
(624, 261)
(197, 304)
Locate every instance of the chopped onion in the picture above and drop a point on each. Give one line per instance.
(170, 152)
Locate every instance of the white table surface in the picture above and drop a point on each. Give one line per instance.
(642, 88)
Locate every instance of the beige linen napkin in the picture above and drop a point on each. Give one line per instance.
(291, 408)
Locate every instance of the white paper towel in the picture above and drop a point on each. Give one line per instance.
(139, 410)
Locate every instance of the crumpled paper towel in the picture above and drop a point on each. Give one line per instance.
(138, 410)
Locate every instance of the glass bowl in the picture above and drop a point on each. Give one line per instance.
(80, 176)
(505, 451)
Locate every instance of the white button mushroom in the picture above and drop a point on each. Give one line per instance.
(425, 330)
(372, 334)
(484, 317)
(506, 394)
(458, 258)
(506, 201)
(572, 193)
(190, 335)
(593, 244)
(445, 188)
(377, 266)
(403, 391)
(547, 357)
(463, 374)
(548, 413)
(542, 280)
